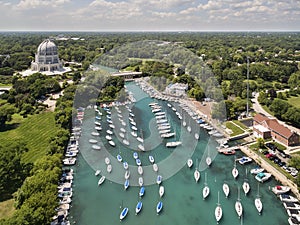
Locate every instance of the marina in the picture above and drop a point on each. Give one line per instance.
(108, 201)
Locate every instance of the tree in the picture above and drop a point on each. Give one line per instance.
(294, 80)
(6, 112)
(260, 142)
(279, 107)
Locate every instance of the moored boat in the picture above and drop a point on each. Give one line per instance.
(279, 189)
(151, 159)
(112, 143)
(262, 177)
(257, 170)
(138, 207)
(159, 179)
(101, 180)
(218, 211)
(142, 191)
(238, 205)
(140, 170)
(124, 213)
(125, 165)
(127, 174)
(189, 162)
(107, 160)
(161, 191)
(126, 184)
(141, 181)
(159, 207)
(119, 158)
(109, 168)
(287, 198)
(226, 189)
(244, 160)
(206, 190)
(97, 172)
(155, 167)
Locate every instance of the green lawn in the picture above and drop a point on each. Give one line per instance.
(239, 123)
(34, 130)
(235, 130)
(294, 101)
(267, 109)
(6, 209)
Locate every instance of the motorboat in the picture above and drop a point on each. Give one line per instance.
(135, 155)
(141, 147)
(155, 167)
(238, 205)
(244, 160)
(96, 147)
(101, 180)
(140, 170)
(126, 184)
(173, 144)
(109, 168)
(294, 220)
(94, 133)
(142, 191)
(107, 160)
(262, 177)
(205, 191)
(69, 161)
(138, 162)
(159, 207)
(140, 139)
(125, 165)
(189, 162)
(93, 141)
(279, 189)
(218, 211)
(287, 198)
(112, 143)
(122, 130)
(226, 189)
(119, 158)
(141, 181)
(161, 191)
(122, 135)
(159, 179)
(151, 159)
(133, 133)
(109, 132)
(127, 174)
(108, 137)
(291, 205)
(134, 128)
(196, 136)
(112, 126)
(257, 170)
(124, 213)
(97, 172)
(125, 142)
(138, 207)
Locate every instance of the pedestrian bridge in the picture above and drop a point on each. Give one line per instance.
(127, 75)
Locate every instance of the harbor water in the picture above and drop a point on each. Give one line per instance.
(182, 201)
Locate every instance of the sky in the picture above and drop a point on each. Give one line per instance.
(150, 15)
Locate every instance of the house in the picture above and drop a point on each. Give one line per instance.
(177, 89)
(270, 128)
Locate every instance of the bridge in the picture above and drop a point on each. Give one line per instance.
(127, 75)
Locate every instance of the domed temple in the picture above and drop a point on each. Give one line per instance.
(46, 58)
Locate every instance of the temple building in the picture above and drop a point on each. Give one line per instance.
(46, 58)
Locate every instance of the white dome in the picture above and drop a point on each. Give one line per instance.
(47, 47)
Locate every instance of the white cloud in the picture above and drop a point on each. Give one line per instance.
(32, 4)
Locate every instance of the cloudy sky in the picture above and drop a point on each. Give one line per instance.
(146, 15)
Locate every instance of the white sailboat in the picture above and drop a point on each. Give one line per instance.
(161, 191)
(208, 158)
(238, 205)
(257, 201)
(189, 162)
(197, 173)
(218, 211)
(205, 191)
(246, 185)
(226, 189)
(234, 171)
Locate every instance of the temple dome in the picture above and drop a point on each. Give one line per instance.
(47, 47)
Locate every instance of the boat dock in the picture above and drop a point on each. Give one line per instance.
(234, 148)
(269, 168)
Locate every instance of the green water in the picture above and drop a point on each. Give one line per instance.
(182, 201)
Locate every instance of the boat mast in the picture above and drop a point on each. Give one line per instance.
(247, 111)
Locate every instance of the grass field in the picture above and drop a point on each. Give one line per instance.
(235, 130)
(295, 101)
(7, 209)
(34, 130)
